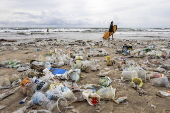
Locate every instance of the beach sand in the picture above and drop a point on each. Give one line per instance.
(135, 103)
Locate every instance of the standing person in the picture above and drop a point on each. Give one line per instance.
(111, 29)
(48, 29)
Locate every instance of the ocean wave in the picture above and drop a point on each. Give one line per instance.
(51, 30)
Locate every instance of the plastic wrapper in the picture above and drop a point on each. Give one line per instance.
(120, 100)
(137, 81)
(165, 93)
(105, 81)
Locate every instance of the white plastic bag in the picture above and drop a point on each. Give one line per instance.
(161, 81)
(59, 90)
(74, 74)
(48, 74)
(106, 93)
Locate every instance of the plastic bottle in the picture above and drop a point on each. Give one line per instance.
(40, 85)
(41, 99)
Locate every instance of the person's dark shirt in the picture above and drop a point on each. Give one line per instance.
(111, 28)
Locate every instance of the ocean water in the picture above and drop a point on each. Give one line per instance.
(83, 33)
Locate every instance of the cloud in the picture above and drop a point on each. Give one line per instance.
(134, 13)
(26, 14)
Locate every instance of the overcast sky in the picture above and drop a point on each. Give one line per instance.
(85, 13)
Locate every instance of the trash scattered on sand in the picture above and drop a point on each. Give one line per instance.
(54, 80)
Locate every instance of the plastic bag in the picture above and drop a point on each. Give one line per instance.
(74, 74)
(78, 64)
(161, 81)
(48, 75)
(106, 93)
(68, 94)
(59, 90)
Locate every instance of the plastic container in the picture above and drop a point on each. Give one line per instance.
(91, 97)
(128, 75)
(142, 74)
